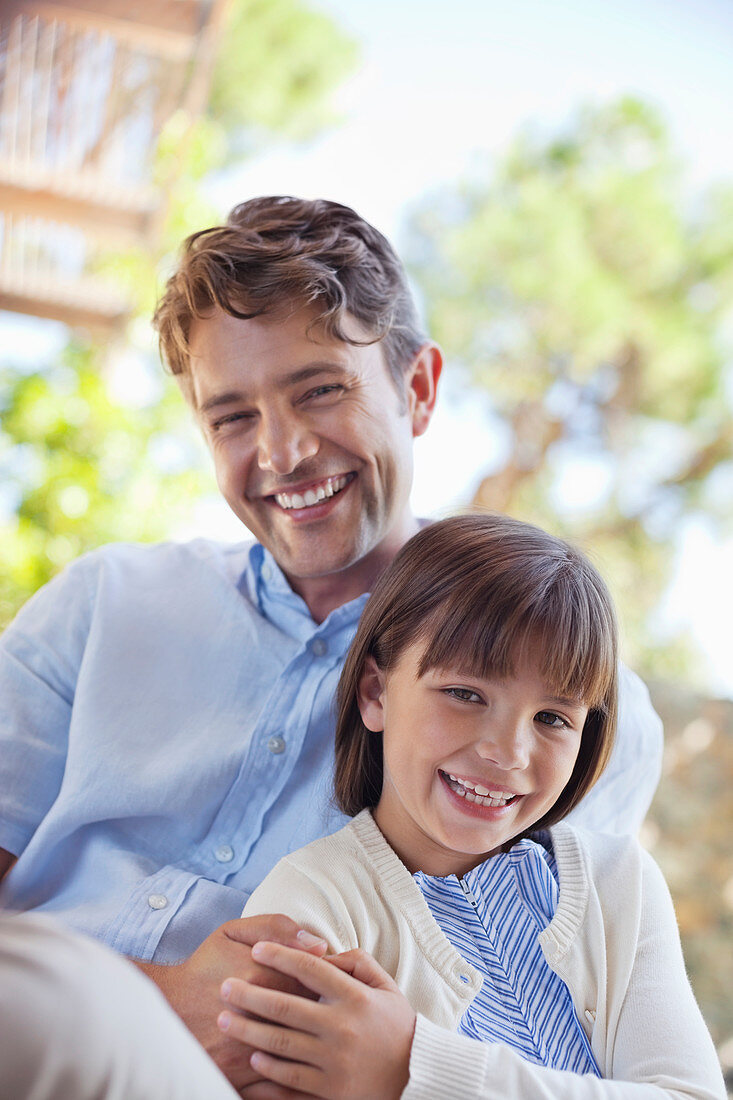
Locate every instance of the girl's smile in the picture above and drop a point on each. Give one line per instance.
(469, 763)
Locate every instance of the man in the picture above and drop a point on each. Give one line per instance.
(165, 724)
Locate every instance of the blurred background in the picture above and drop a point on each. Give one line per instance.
(559, 180)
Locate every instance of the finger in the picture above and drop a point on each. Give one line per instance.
(278, 1007)
(275, 928)
(297, 1078)
(268, 1090)
(295, 1046)
(315, 974)
(362, 966)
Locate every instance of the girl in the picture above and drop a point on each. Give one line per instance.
(475, 709)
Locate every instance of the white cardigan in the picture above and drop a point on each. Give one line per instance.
(613, 941)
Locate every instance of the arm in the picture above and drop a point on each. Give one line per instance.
(40, 655)
(620, 799)
(192, 987)
(7, 859)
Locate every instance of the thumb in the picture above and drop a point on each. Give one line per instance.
(275, 928)
(362, 966)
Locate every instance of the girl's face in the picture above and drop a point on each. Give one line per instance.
(468, 763)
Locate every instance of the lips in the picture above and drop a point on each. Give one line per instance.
(477, 793)
(315, 493)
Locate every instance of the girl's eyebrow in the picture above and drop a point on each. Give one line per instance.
(565, 701)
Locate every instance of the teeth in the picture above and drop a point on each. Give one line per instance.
(312, 496)
(474, 792)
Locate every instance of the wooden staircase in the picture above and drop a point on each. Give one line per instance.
(85, 90)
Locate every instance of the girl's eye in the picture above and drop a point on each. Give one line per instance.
(464, 695)
(549, 718)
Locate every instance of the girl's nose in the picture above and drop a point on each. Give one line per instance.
(506, 744)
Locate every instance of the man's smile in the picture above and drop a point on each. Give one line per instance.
(306, 496)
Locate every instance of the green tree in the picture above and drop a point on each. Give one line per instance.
(589, 297)
(79, 466)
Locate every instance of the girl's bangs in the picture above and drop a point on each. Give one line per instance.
(566, 634)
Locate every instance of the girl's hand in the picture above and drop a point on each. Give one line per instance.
(352, 1044)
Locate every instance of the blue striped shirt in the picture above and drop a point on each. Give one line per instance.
(493, 917)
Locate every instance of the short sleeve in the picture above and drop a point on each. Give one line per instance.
(40, 655)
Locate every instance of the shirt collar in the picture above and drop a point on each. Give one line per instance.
(266, 584)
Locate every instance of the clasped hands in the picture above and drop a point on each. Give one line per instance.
(329, 1026)
(352, 1042)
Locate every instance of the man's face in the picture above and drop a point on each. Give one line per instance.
(312, 443)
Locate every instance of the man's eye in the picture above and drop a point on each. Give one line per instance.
(549, 718)
(464, 695)
(230, 418)
(323, 391)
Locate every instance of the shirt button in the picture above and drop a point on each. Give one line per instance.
(266, 572)
(157, 901)
(276, 745)
(319, 647)
(224, 853)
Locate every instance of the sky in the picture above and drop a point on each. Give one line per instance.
(440, 90)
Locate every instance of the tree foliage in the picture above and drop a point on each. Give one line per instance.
(276, 63)
(581, 288)
(83, 469)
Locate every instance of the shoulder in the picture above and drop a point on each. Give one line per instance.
(610, 874)
(134, 573)
(321, 886)
(156, 557)
(610, 856)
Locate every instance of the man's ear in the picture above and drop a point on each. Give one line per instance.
(370, 696)
(421, 382)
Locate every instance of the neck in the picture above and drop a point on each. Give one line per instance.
(323, 594)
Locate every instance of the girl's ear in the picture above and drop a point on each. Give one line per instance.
(370, 696)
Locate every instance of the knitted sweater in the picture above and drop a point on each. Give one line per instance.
(613, 941)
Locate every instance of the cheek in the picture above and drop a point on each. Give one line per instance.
(565, 761)
(229, 466)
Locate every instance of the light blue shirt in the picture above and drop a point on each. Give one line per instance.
(166, 735)
(493, 917)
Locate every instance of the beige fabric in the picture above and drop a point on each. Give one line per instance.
(80, 1023)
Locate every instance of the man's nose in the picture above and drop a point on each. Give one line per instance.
(283, 442)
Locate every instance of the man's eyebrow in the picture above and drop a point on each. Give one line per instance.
(310, 370)
(220, 399)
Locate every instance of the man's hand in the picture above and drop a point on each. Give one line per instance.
(353, 1043)
(192, 988)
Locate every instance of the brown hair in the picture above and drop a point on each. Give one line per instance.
(277, 252)
(478, 592)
